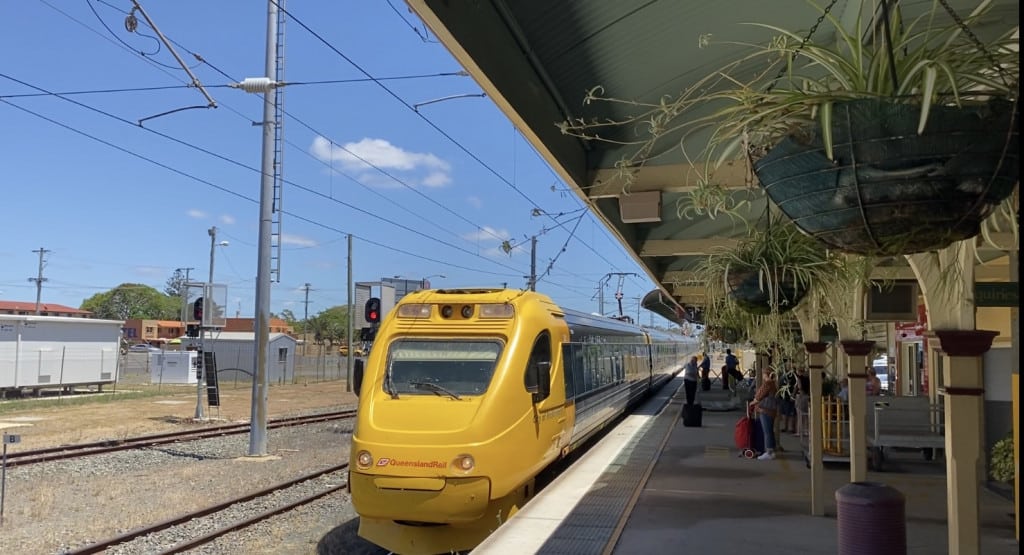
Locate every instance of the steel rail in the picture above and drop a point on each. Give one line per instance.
(46, 454)
(103, 545)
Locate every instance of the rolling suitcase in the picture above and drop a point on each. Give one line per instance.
(692, 415)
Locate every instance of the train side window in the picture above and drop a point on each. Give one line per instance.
(567, 366)
(541, 353)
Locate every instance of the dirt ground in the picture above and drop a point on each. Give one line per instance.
(111, 417)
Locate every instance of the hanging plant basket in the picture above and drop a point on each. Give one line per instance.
(753, 294)
(725, 334)
(889, 190)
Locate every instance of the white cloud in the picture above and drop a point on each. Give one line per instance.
(475, 202)
(227, 219)
(196, 213)
(297, 240)
(414, 168)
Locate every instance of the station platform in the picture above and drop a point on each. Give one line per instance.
(652, 486)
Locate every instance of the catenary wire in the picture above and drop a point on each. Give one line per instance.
(472, 155)
(239, 195)
(240, 164)
(377, 81)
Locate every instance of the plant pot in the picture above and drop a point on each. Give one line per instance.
(891, 191)
(745, 288)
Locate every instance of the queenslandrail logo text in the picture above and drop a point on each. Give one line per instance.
(384, 461)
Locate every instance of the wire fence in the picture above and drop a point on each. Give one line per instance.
(138, 369)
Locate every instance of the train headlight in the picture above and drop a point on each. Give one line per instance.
(446, 311)
(364, 459)
(464, 463)
(467, 311)
(496, 311)
(414, 311)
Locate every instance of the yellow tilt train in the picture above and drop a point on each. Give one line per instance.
(468, 394)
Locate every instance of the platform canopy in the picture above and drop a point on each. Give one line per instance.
(537, 59)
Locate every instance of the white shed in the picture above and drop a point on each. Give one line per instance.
(57, 351)
(234, 350)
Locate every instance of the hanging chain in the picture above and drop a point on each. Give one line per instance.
(810, 33)
(977, 42)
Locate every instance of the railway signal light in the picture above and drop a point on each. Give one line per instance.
(197, 310)
(372, 311)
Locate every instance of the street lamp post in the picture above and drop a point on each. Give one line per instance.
(208, 290)
(425, 283)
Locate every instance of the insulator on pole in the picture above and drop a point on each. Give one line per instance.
(257, 85)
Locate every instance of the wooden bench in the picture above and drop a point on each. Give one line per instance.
(904, 422)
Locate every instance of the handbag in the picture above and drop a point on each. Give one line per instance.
(768, 404)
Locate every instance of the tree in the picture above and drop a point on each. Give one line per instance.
(175, 284)
(330, 326)
(133, 300)
(288, 316)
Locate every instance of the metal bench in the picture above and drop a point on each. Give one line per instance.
(904, 422)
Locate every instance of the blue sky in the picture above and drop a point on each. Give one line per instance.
(109, 216)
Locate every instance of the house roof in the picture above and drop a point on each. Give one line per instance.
(20, 306)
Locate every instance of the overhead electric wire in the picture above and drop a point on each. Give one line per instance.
(361, 159)
(239, 195)
(377, 81)
(369, 77)
(173, 87)
(242, 165)
(329, 45)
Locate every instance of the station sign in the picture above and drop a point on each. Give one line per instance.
(997, 294)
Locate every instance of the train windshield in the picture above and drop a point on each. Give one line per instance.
(441, 367)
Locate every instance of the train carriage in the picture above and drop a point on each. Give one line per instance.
(467, 395)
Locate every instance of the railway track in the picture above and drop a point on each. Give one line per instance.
(213, 511)
(34, 456)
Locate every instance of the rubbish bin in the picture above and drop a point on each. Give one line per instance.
(871, 519)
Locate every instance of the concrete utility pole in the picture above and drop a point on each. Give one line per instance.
(351, 321)
(39, 279)
(533, 263)
(258, 429)
(305, 319)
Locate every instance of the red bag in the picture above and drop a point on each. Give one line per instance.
(743, 433)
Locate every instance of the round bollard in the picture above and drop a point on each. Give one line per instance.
(871, 520)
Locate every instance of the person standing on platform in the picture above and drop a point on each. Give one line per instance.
(766, 405)
(690, 377)
(803, 401)
(705, 373)
(732, 370)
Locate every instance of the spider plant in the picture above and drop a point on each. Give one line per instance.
(737, 111)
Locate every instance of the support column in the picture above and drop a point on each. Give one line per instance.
(857, 355)
(964, 392)
(815, 367)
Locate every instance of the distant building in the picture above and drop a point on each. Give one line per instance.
(277, 325)
(52, 352)
(18, 308)
(139, 330)
(235, 358)
(405, 286)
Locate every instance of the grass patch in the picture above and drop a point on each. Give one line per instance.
(52, 400)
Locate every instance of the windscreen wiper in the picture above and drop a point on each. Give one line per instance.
(437, 389)
(389, 385)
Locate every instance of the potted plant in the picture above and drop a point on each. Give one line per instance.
(769, 271)
(900, 142)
